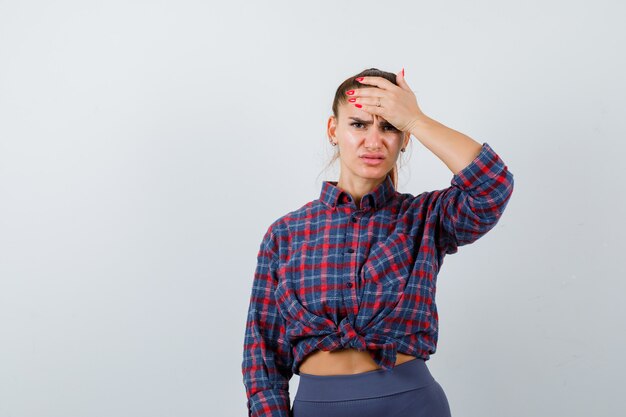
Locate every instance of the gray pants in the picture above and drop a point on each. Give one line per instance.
(408, 390)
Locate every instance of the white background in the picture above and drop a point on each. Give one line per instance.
(145, 147)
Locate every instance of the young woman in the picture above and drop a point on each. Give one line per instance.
(344, 289)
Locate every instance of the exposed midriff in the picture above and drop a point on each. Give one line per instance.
(343, 362)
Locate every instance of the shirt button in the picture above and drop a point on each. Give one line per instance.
(349, 285)
(350, 250)
(354, 220)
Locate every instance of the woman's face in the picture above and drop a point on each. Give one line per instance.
(359, 134)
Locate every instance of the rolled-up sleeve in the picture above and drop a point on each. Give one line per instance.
(474, 202)
(267, 355)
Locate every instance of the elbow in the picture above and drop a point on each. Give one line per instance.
(491, 205)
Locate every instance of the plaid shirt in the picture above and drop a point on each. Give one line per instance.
(332, 276)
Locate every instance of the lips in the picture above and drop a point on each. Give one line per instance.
(372, 159)
(373, 156)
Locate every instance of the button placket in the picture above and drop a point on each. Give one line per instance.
(347, 262)
(354, 218)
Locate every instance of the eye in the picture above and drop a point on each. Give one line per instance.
(388, 127)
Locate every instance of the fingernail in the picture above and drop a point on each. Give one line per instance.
(403, 72)
(360, 79)
(352, 100)
(350, 92)
(358, 105)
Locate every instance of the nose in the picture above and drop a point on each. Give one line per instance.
(373, 137)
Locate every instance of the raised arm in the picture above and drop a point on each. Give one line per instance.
(480, 189)
(474, 202)
(481, 186)
(267, 355)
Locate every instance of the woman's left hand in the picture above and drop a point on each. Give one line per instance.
(398, 104)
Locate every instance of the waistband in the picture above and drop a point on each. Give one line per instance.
(404, 377)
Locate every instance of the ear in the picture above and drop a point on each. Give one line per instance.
(331, 127)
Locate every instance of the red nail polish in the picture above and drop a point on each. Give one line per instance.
(358, 105)
(403, 72)
(350, 92)
(352, 100)
(360, 79)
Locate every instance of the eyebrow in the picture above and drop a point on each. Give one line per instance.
(366, 122)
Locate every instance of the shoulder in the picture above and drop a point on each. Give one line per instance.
(291, 219)
(280, 231)
(414, 211)
(412, 203)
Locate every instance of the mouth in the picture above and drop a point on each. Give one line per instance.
(372, 159)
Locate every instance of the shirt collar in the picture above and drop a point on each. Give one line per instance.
(334, 196)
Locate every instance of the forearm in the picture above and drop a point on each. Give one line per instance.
(454, 148)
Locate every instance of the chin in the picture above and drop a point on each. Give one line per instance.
(375, 174)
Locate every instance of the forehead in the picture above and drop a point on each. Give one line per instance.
(348, 111)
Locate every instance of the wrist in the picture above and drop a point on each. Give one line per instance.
(420, 123)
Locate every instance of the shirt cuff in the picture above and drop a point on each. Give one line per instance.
(270, 403)
(486, 166)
